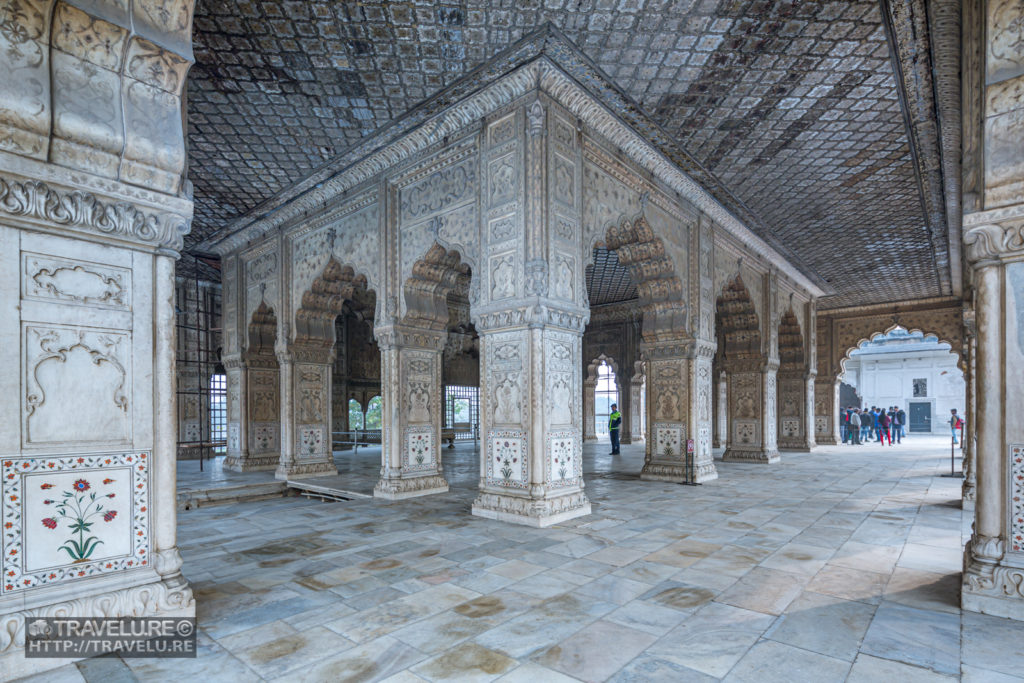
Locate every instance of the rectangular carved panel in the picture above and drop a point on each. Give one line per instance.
(76, 283)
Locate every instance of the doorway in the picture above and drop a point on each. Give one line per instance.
(920, 416)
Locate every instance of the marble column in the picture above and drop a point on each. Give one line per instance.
(638, 406)
(826, 410)
(752, 412)
(413, 393)
(796, 399)
(970, 484)
(589, 407)
(93, 214)
(532, 470)
(261, 442)
(306, 413)
(721, 409)
(679, 400)
(237, 407)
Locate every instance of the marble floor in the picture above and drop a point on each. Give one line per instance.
(841, 564)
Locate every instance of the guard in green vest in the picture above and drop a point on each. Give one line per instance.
(614, 422)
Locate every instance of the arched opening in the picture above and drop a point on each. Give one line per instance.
(636, 294)
(320, 338)
(907, 370)
(751, 428)
(606, 394)
(355, 415)
(795, 386)
(374, 413)
(257, 443)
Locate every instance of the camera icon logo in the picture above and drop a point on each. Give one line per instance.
(39, 627)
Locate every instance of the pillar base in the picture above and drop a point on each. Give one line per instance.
(535, 512)
(304, 470)
(995, 588)
(826, 441)
(676, 473)
(798, 446)
(252, 463)
(396, 488)
(766, 457)
(168, 597)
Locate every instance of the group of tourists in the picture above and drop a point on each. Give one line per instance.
(877, 424)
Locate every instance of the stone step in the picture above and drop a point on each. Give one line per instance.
(225, 495)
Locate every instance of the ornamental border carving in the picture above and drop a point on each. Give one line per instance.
(83, 210)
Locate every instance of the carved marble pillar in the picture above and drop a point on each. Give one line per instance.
(679, 400)
(589, 408)
(237, 445)
(531, 471)
(309, 415)
(752, 412)
(638, 406)
(412, 391)
(261, 438)
(796, 400)
(969, 488)
(626, 407)
(993, 576)
(721, 410)
(826, 410)
(93, 212)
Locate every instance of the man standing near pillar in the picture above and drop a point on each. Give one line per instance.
(614, 422)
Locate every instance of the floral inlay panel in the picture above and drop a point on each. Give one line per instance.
(506, 459)
(564, 462)
(72, 517)
(668, 440)
(420, 450)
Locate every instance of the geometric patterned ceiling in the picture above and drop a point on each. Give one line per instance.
(791, 104)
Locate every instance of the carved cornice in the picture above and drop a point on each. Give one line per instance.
(84, 211)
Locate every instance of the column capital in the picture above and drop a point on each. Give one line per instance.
(994, 236)
(405, 336)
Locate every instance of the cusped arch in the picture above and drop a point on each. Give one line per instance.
(659, 289)
(324, 301)
(738, 320)
(845, 349)
(945, 324)
(262, 330)
(436, 275)
(596, 363)
(791, 342)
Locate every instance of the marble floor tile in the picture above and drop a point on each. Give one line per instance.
(867, 556)
(923, 638)
(274, 658)
(849, 584)
(595, 652)
(366, 663)
(649, 669)
(824, 624)
(712, 639)
(614, 589)
(868, 669)
(764, 590)
(468, 662)
(925, 590)
(798, 558)
(993, 643)
(529, 672)
(644, 615)
(682, 553)
(930, 558)
(771, 662)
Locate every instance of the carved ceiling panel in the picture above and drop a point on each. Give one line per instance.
(792, 105)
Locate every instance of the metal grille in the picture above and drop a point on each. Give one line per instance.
(218, 411)
(202, 400)
(462, 411)
(608, 281)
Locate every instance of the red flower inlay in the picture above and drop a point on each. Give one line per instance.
(109, 515)
(46, 486)
(50, 523)
(108, 481)
(82, 485)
